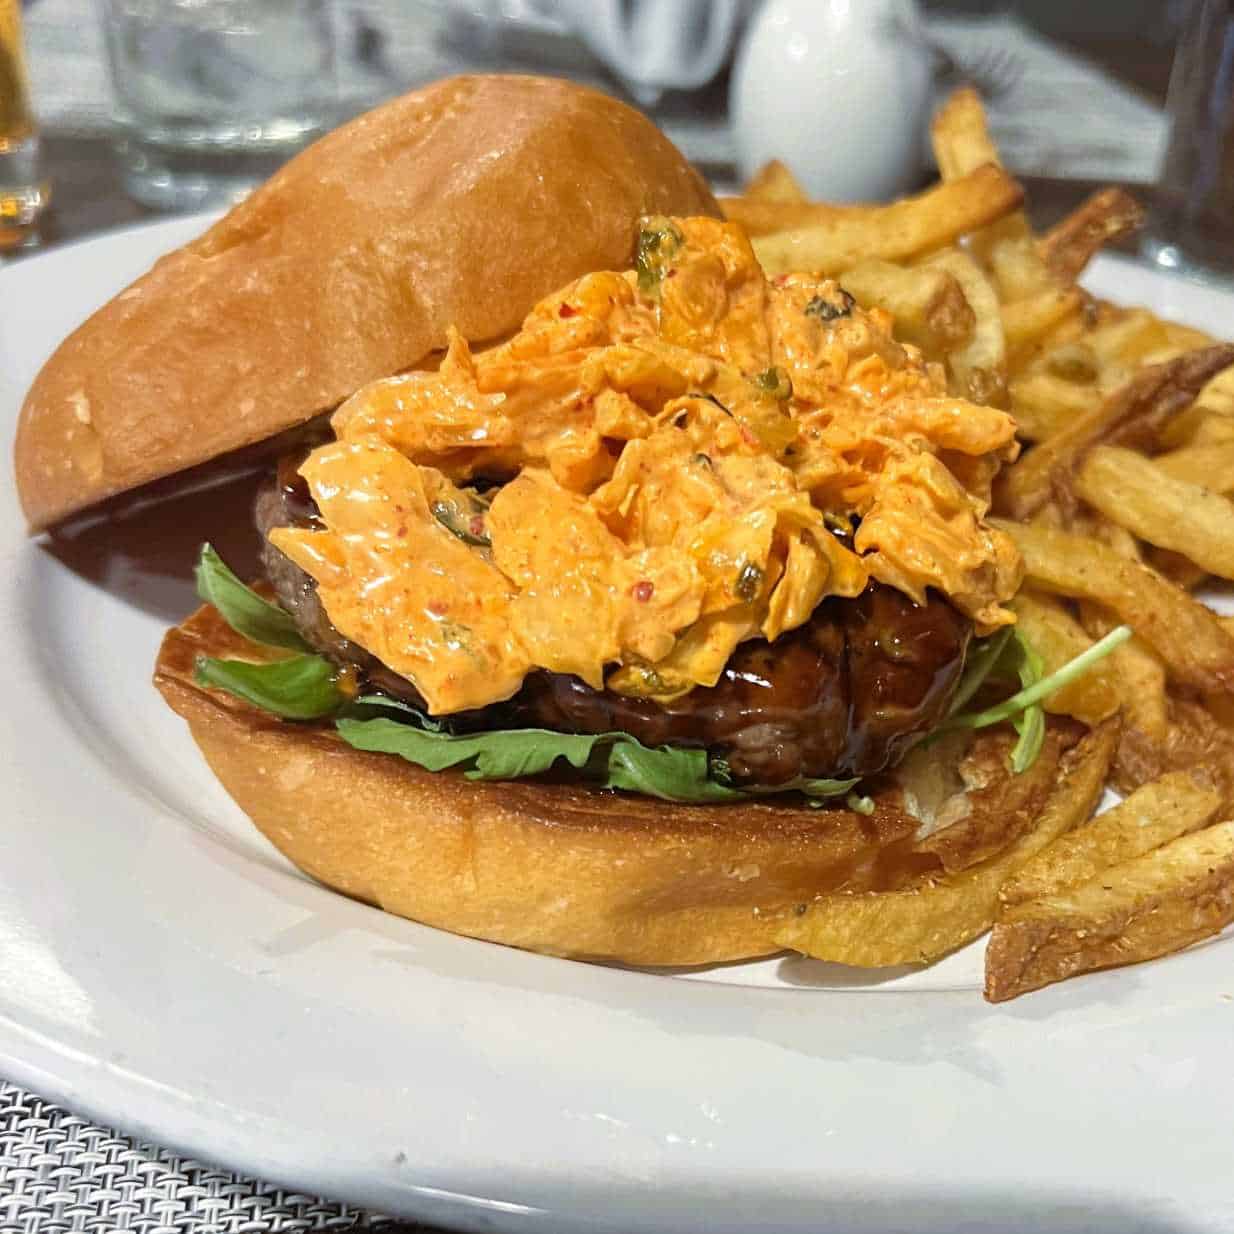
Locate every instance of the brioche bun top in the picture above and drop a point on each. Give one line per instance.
(459, 204)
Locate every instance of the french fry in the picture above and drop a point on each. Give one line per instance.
(1196, 649)
(1015, 261)
(761, 217)
(1195, 740)
(1156, 813)
(1026, 322)
(1180, 570)
(1126, 337)
(1132, 415)
(1139, 675)
(978, 370)
(896, 232)
(1071, 244)
(1218, 395)
(1058, 638)
(960, 136)
(962, 143)
(927, 303)
(1074, 362)
(1135, 493)
(938, 914)
(1209, 464)
(1044, 405)
(1140, 909)
(774, 182)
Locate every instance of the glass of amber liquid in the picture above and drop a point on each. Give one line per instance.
(23, 190)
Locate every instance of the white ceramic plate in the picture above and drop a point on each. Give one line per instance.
(164, 970)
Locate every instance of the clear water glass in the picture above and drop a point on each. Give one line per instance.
(24, 191)
(1191, 225)
(214, 95)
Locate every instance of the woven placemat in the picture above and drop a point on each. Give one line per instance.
(61, 1173)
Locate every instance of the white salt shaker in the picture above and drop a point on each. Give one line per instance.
(839, 90)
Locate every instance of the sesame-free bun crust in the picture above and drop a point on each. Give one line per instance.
(552, 867)
(462, 203)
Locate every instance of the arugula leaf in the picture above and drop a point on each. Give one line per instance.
(1023, 708)
(1030, 723)
(297, 688)
(980, 663)
(614, 760)
(242, 608)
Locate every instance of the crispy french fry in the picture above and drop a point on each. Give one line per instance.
(1125, 337)
(962, 143)
(1140, 909)
(960, 136)
(1058, 638)
(1107, 215)
(1156, 813)
(1074, 362)
(1026, 322)
(938, 914)
(927, 303)
(978, 370)
(896, 232)
(1180, 570)
(1218, 395)
(1208, 464)
(1186, 338)
(1139, 675)
(766, 218)
(774, 182)
(1197, 651)
(1132, 415)
(1195, 740)
(1044, 405)
(1135, 493)
(1015, 261)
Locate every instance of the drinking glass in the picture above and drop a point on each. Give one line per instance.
(23, 190)
(1191, 225)
(213, 95)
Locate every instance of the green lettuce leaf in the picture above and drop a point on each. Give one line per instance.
(612, 760)
(297, 688)
(242, 608)
(1023, 709)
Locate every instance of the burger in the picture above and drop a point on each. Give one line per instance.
(607, 585)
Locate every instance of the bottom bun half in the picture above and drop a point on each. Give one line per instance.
(552, 867)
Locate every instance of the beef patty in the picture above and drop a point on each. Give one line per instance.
(843, 695)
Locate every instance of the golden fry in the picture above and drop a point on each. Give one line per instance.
(1156, 813)
(774, 182)
(1026, 322)
(960, 137)
(922, 922)
(1139, 675)
(896, 232)
(1143, 908)
(1134, 492)
(1071, 244)
(1132, 415)
(1016, 263)
(1209, 464)
(1196, 649)
(978, 370)
(928, 304)
(1044, 405)
(1058, 638)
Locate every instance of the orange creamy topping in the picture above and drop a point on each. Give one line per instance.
(681, 466)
